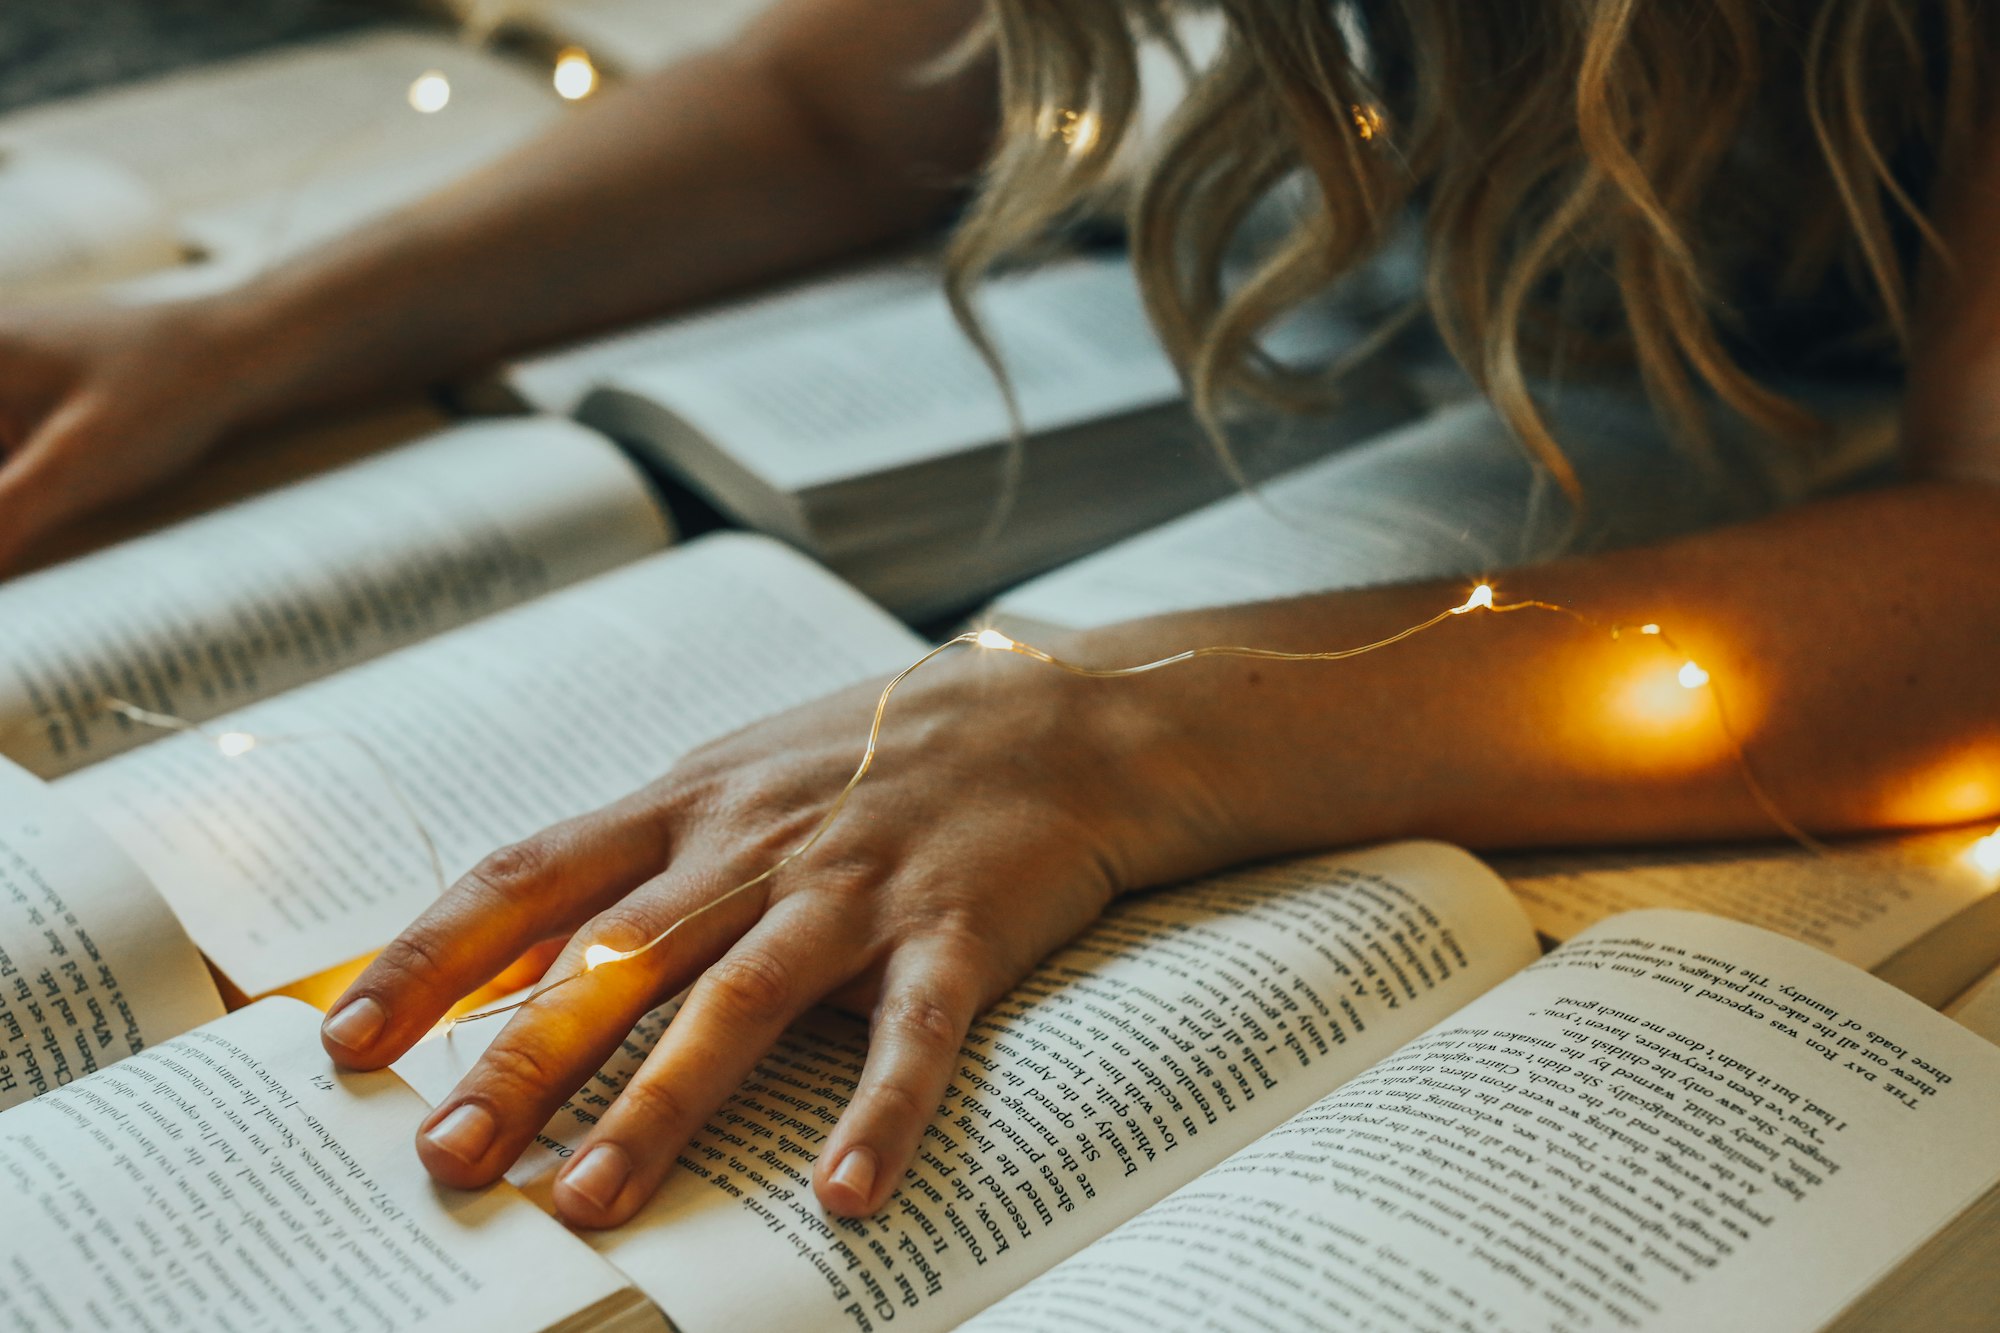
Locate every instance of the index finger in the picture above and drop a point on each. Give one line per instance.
(545, 885)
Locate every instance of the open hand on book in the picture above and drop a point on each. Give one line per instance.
(1003, 813)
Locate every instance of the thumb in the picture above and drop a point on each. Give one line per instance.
(56, 475)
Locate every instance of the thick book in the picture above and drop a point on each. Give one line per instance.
(197, 181)
(857, 423)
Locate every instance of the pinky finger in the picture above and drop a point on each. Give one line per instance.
(920, 1022)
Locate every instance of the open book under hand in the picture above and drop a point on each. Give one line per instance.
(1339, 1093)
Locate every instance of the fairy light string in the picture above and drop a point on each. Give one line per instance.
(1690, 676)
(236, 744)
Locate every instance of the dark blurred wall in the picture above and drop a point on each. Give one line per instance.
(50, 48)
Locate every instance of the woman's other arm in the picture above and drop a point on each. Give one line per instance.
(811, 136)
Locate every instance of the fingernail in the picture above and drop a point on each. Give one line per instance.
(856, 1173)
(600, 1175)
(466, 1133)
(357, 1024)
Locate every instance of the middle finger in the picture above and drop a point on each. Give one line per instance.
(802, 950)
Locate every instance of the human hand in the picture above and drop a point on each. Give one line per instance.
(99, 403)
(1008, 805)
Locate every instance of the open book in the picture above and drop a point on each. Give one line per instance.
(869, 433)
(1342, 1088)
(621, 36)
(197, 181)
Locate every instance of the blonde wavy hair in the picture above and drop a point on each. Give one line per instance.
(1625, 177)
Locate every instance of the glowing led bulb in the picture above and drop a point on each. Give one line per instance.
(575, 75)
(1985, 854)
(430, 93)
(1691, 676)
(597, 955)
(234, 743)
(1649, 629)
(993, 639)
(1078, 130)
(1481, 598)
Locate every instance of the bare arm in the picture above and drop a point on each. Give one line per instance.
(811, 136)
(1853, 641)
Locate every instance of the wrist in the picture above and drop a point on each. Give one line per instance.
(266, 357)
(1257, 759)
(1176, 790)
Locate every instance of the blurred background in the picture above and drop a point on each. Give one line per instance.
(54, 50)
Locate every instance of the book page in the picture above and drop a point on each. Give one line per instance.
(93, 967)
(250, 600)
(1674, 1122)
(1978, 1009)
(631, 36)
(316, 845)
(1182, 1026)
(558, 381)
(70, 222)
(897, 384)
(1429, 499)
(232, 1178)
(273, 121)
(1450, 495)
(242, 467)
(1861, 901)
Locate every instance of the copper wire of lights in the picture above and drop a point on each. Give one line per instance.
(236, 744)
(1691, 676)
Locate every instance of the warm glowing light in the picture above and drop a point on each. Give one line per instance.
(994, 639)
(1985, 854)
(1077, 129)
(1481, 598)
(1649, 629)
(1649, 700)
(1691, 676)
(430, 93)
(234, 743)
(597, 955)
(575, 76)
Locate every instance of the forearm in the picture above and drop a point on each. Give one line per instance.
(1849, 641)
(737, 165)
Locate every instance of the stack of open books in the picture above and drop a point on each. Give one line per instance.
(1341, 1083)
(1347, 1091)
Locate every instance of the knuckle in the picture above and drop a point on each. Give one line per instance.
(653, 1102)
(919, 1020)
(513, 871)
(898, 1102)
(624, 926)
(516, 1072)
(415, 957)
(751, 986)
